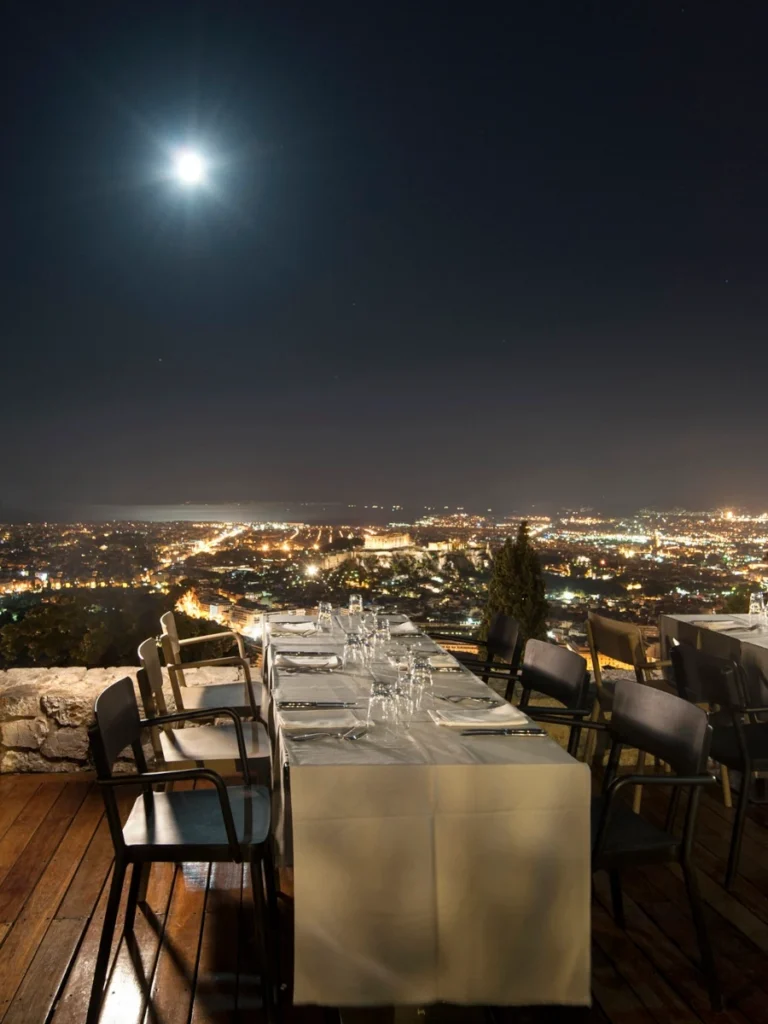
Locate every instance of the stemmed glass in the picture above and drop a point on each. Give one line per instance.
(355, 604)
(756, 607)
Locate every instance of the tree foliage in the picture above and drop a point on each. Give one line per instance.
(517, 586)
(98, 630)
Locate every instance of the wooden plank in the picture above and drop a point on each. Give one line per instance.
(135, 963)
(677, 970)
(741, 967)
(37, 992)
(14, 798)
(215, 997)
(83, 892)
(174, 982)
(73, 1001)
(24, 875)
(249, 1002)
(39, 909)
(613, 994)
(25, 825)
(663, 1003)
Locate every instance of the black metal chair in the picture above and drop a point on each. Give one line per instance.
(679, 734)
(502, 652)
(737, 742)
(205, 743)
(226, 823)
(240, 696)
(560, 674)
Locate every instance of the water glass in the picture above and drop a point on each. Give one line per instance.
(406, 704)
(354, 655)
(355, 604)
(382, 715)
(325, 617)
(421, 683)
(756, 606)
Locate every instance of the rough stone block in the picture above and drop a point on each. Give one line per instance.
(69, 709)
(68, 742)
(20, 701)
(33, 761)
(25, 733)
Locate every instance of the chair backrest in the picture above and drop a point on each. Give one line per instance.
(554, 671)
(704, 679)
(503, 633)
(661, 724)
(168, 625)
(172, 653)
(118, 726)
(149, 657)
(621, 641)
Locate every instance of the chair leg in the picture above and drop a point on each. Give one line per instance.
(617, 900)
(270, 887)
(105, 944)
(137, 893)
(738, 827)
(725, 781)
(638, 794)
(262, 927)
(702, 935)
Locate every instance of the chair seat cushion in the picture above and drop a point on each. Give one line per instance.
(219, 695)
(193, 818)
(213, 743)
(630, 837)
(725, 745)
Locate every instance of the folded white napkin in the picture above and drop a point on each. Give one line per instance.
(718, 624)
(502, 717)
(402, 627)
(305, 627)
(320, 720)
(308, 661)
(442, 661)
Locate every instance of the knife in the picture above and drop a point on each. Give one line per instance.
(301, 705)
(503, 732)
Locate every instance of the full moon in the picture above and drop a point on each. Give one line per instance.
(189, 167)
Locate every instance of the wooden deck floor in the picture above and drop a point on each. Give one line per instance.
(194, 956)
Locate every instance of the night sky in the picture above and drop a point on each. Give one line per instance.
(453, 253)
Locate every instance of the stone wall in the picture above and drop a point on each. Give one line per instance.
(45, 713)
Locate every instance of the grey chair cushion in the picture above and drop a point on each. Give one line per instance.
(214, 743)
(194, 818)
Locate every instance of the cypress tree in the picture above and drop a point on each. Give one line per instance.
(517, 587)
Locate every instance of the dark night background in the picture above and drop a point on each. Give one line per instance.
(477, 253)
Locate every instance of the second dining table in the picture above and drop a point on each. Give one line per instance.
(429, 865)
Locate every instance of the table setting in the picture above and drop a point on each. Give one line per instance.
(402, 773)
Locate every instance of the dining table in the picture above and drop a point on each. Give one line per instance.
(740, 638)
(431, 863)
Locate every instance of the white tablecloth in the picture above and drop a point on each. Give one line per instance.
(437, 867)
(748, 646)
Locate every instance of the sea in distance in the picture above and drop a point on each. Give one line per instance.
(240, 512)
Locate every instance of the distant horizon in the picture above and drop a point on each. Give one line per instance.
(302, 511)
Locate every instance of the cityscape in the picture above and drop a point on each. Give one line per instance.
(435, 568)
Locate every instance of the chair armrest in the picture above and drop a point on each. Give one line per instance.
(749, 711)
(562, 720)
(640, 780)
(531, 710)
(184, 716)
(152, 778)
(211, 662)
(456, 639)
(643, 665)
(214, 636)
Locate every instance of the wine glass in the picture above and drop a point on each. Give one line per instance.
(355, 604)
